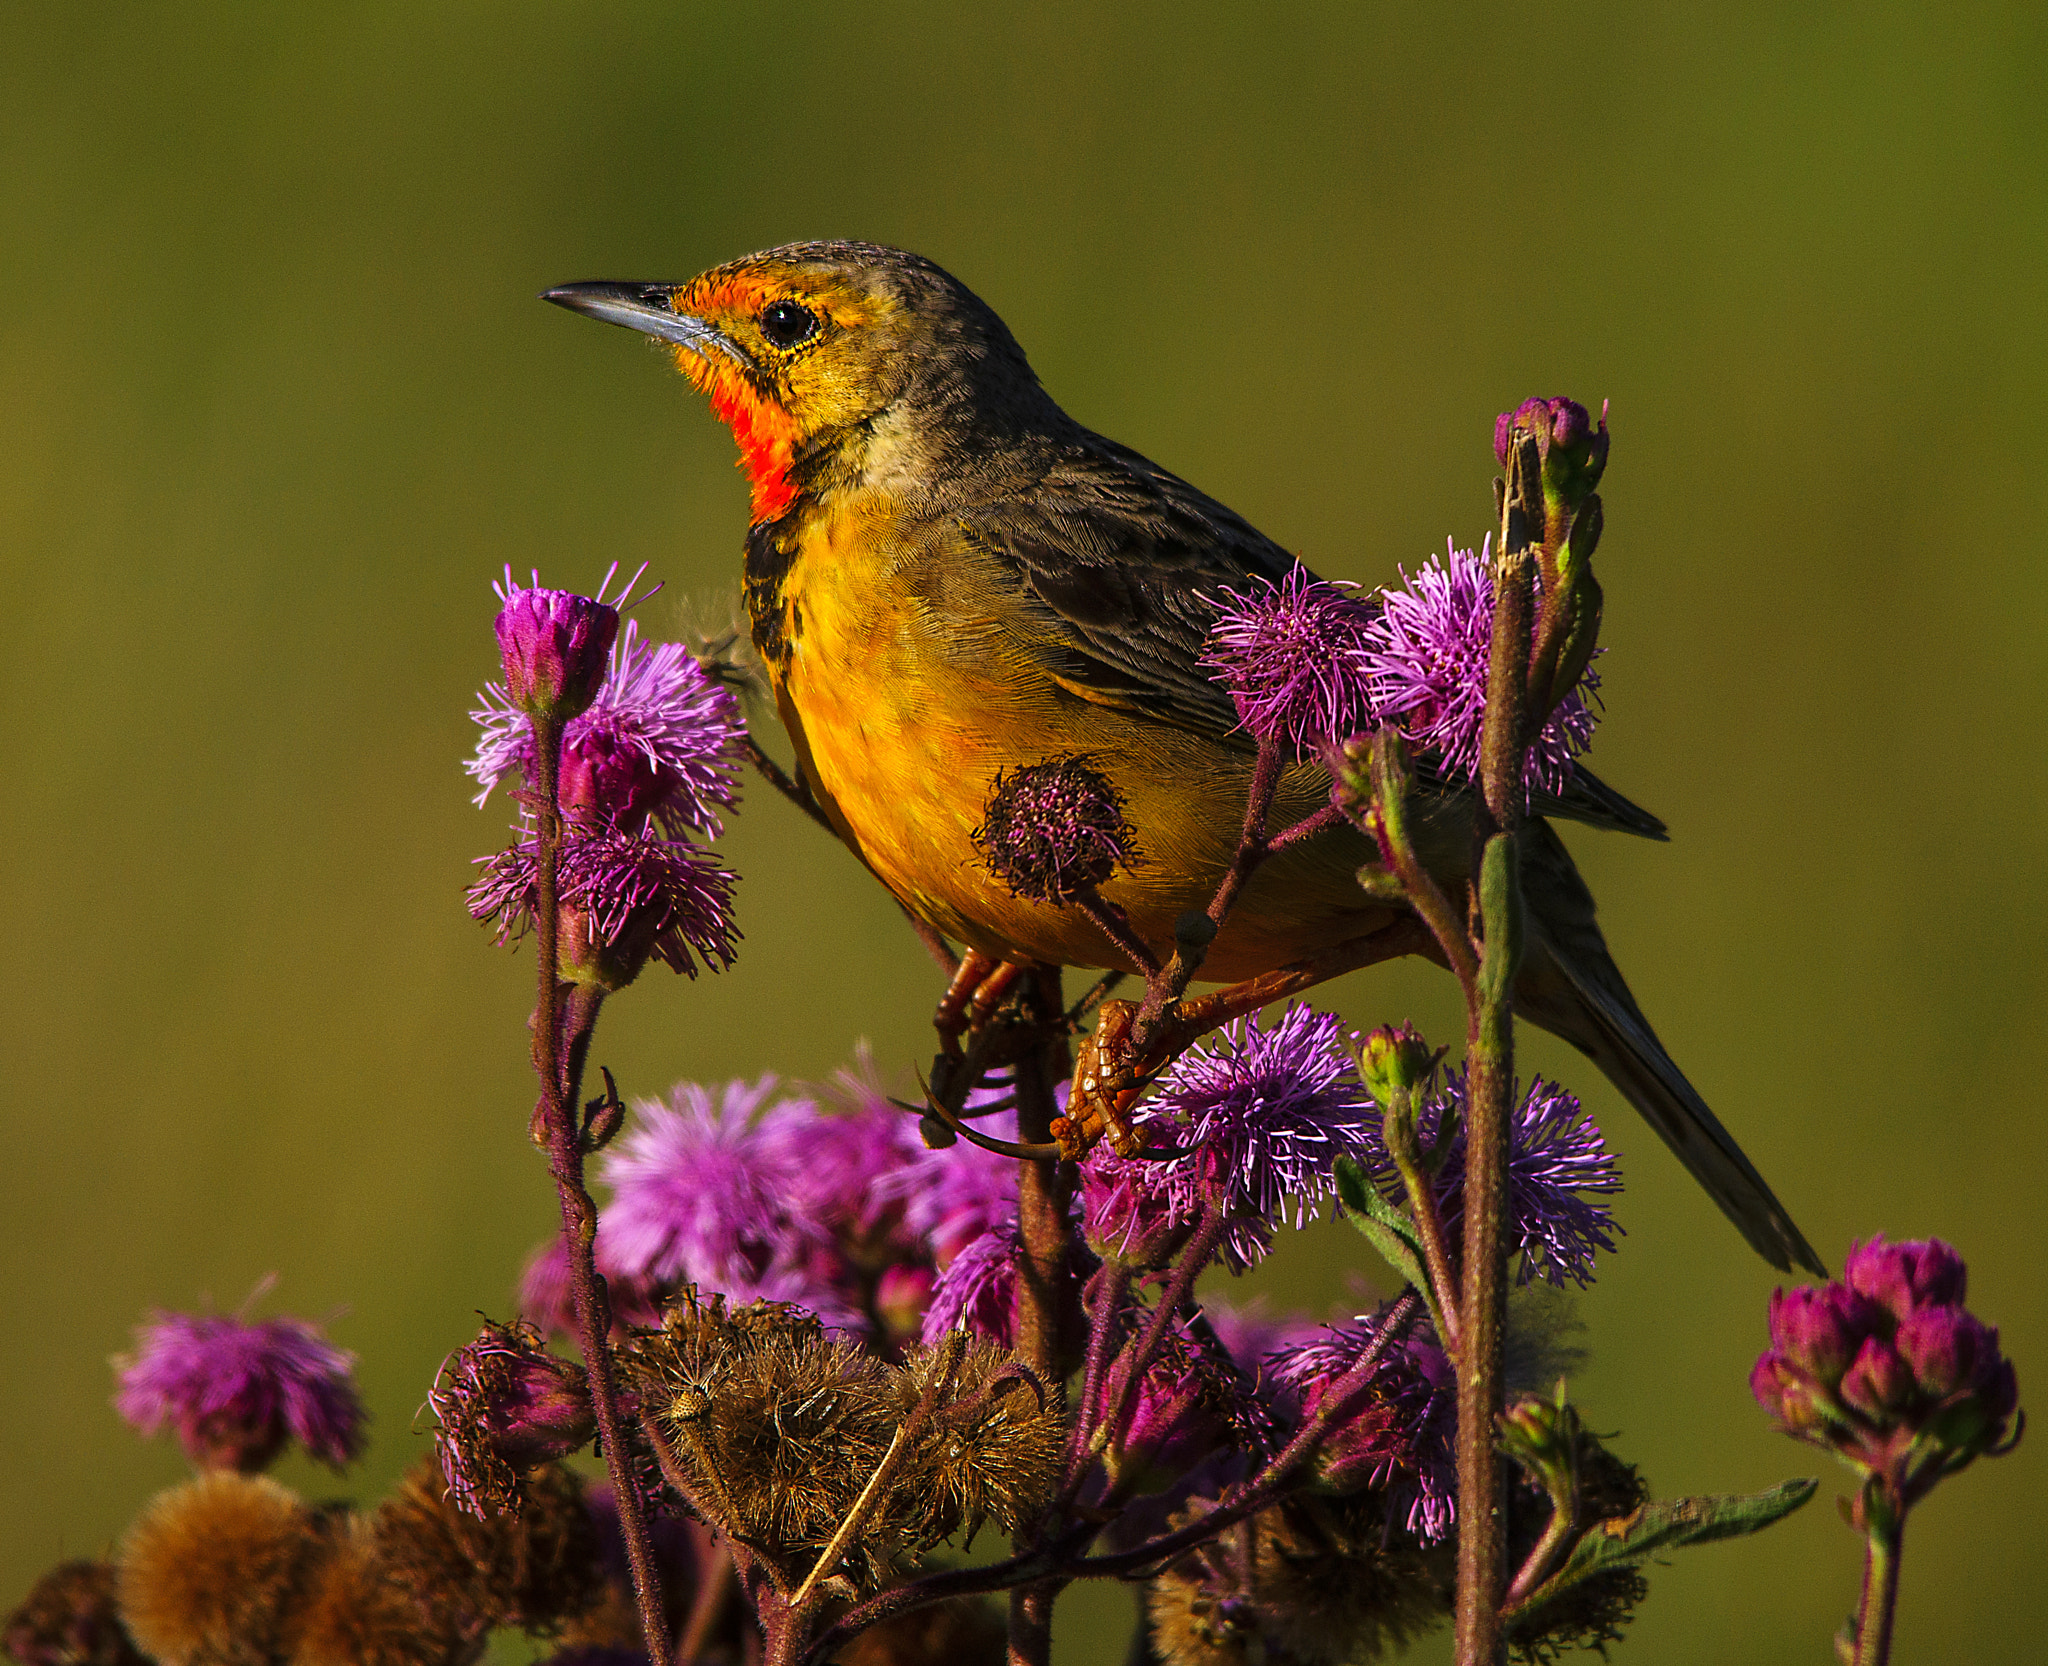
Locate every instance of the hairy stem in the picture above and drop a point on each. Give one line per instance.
(1882, 1546)
(1043, 1190)
(1482, 1517)
(579, 1210)
(1189, 952)
(1399, 1133)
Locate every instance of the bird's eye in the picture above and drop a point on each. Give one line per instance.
(785, 323)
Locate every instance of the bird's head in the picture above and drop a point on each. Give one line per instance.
(811, 351)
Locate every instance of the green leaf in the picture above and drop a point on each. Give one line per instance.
(1385, 1227)
(1665, 1524)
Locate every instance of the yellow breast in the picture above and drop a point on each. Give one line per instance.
(906, 673)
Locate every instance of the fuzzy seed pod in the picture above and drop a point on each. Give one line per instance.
(776, 1427)
(70, 1619)
(354, 1614)
(1324, 1585)
(532, 1567)
(209, 1572)
(990, 1454)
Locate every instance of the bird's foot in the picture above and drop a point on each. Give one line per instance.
(1106, 1084)
(977, 991)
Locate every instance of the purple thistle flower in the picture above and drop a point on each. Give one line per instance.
(700, 1188)
(625, 898)
(1403, 1437)
(847, 1159)
(1427, 658)
(978, 1289)
(1294, 658)
(953, 1196)
(234, 1392)
(1193, 1398)
(1052, 830)
(1257, 1116)
(555, 645)
(658, 743)
(1556, 1155)
(1129, 1209)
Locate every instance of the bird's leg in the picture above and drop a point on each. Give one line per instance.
(1112, 1069)
(991, 992)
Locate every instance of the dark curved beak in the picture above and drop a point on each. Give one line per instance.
(650, 309)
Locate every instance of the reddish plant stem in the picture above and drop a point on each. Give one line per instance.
(1112, 1287)
(1188, 954)
(1263, 1488)
(1046, 1284)
(579, 1211)
(1198, 1252)
(1043, 1190)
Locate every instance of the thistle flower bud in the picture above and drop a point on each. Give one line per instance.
(1905, 1277)
(556, 647)
(1393, 1061)
(1053, 830)
(1573, 447)
(506, 1406)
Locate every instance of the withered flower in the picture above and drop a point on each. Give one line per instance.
(70, 1619)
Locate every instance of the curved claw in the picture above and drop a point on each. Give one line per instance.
(988, 1142)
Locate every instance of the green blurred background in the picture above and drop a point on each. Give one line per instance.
(277, 401)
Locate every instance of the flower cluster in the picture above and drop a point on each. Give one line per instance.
(235, 1392)
(648, 761)
(1426, 660)
(761, 1194)
(1887, 1368)
(1558, 1162)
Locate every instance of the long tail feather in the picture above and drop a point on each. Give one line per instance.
(1571, 987)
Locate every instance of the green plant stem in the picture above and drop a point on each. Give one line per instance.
(564, 1145)
(1882, 1547)
(1429, 1226)
(1482, 1517)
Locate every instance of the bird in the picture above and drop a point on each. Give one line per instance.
(946, 576)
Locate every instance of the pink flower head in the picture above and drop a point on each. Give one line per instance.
(1427, 655)
(1251, 1122)
(1888, 1370)
(658, 744)
(234, 1392)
